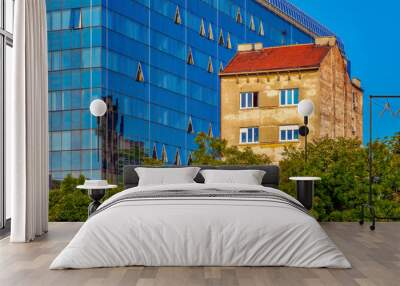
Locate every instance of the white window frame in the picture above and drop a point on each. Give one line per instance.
(286, 96)
(247, 104)
(246, 131)
(286, 129)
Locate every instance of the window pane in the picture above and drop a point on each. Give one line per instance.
(290, 135)
(283, 95)
(66, 160)
(76, 140)
(296, 134)
(67, 120)
(66, 140)
(66, 19)
(255, 134)
(255, 99)
(283, 135)
(296, 96)
(56, 61)
(244, 137)
(249, 100)
(56, 141)
(242, 100)
(75, 160)
(76, 99)
(56, 20)
(250, 135)
(55, 160)
(290, 96)
(66, 99)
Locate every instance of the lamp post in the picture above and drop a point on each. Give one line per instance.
(98, 108)
(305, 108)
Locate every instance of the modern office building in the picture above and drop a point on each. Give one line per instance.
(261, 89)
(156, 64)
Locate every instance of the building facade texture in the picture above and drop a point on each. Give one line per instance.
(261, 89)
(156, 64)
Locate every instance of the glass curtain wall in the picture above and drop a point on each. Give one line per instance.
(155, 63)
(6, 61)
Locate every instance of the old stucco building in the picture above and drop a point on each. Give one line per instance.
(261, 87)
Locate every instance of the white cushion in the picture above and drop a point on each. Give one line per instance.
(166, 176)
(248, 177)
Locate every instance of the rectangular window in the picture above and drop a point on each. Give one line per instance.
(76, 19)
(249, 135)
(248, 100)
(289, 97)
(289, 133)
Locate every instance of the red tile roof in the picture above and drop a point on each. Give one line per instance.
(277, 58)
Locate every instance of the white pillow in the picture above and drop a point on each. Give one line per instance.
(166, 176)
(248, 177)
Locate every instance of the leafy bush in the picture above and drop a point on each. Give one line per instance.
(69, 203)
(342, 165)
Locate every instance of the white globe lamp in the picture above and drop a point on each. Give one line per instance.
(98, 107)
(305, 107)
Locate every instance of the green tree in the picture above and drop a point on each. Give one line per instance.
(342, 165)
(69, 203)
(215, 151)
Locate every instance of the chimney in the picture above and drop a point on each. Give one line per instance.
(325, 41)
(250, 47)
(356, 82)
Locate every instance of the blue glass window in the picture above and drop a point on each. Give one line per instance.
(296, 134)
(296, 96)
(66, 19)
(67, 119)
(85, 119)
(283, 97)
(75, 140)
(255, 134)
(56, 60)
(76, 19)
(249, 135)
(248, 100)
(243, 100)
(66, 160)
(75, 160)
(289, 133)
(86, 159)
(55, 160)
(76, 119)
(75, 99)
(283, 135)
(55, 121)
(56, 20)
(66, 99)
(243, 137)
(289, 96)
(66, 140)
(55, 141)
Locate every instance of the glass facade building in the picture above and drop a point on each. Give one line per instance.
(156, 64)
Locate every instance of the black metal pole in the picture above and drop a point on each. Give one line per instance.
(305, 138)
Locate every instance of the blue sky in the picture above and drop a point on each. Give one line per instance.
(370, 32)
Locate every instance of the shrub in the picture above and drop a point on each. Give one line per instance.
(342, 165)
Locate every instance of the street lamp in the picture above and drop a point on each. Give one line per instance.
(98, 108)
(305, 108)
